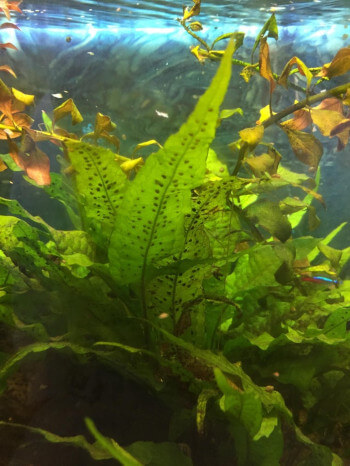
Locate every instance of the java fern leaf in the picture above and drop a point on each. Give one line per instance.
(100, 185)
(150, 222)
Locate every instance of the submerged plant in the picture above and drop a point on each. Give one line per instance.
(179, 274)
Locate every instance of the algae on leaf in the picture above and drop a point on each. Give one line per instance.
(150, 222)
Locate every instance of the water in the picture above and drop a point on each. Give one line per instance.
(131, 60)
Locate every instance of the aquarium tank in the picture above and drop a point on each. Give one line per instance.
(174, 233)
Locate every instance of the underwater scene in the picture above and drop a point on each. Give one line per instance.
(174, 233)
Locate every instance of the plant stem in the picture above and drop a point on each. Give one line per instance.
(310, 100)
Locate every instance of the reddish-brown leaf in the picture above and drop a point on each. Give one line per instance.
(8, 45)
(8, 69)
(265, 65)
(300, 121)
(9, 26)
(32, 160)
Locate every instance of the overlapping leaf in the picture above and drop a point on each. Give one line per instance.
(150, 223)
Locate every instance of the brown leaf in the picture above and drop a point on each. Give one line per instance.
(3, 166)
(9, 26)
(265, 65)
(306, 147)
(338, 66)
(300, 121)
(8, 69)
(32, 160)
(331, 104)
(8, 45)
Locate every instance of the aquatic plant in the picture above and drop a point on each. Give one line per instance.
(183, 276)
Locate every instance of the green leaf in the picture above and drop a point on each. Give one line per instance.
(159, 454)
(267, 427)
(202, 402)
(236, 36)
(271, 27)
(111, 446)
(77, 441)
(150, 221)
(269, 216)
(254, 269)
(100, 185)
(315, 252)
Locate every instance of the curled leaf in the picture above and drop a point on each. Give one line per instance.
(27, 99)
(68, 108)
(338, 66)
(265, 65)
(31, 159)
(8, 69)
(302, 68)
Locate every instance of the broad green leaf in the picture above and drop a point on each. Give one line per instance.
(150, 222)
(254, 269)
(269, 216)
(267, 450)
(215, 166)
(111, 447)
(100, 185)
(315, 252)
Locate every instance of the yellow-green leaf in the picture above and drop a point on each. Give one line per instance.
(252, 136)
(68, 108)
(25, 98)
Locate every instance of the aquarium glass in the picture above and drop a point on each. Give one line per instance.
(174, 232)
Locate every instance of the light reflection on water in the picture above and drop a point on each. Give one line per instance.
(158, 14)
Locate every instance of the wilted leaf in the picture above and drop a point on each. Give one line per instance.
(9, 26)
(3, 166)
(195, 26)
(194, 11)
(302, 68)
(248, 72)
(68, 107)
(32, 160)
(6, 7)
(199, 53)
(306, 147)
(252, 136)
(265, 114)
(267, 162)
(325, 120)
(27, 99)
(265, 65)
(8, 69)
(338, 66)
(301, 120)
(8, 45)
